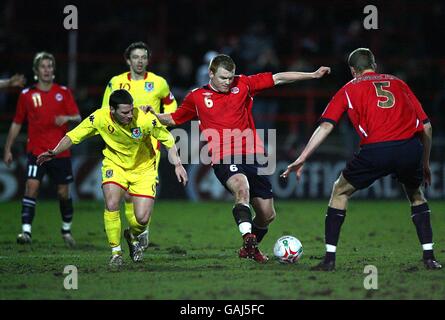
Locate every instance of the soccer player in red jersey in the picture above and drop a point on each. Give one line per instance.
(396, 137)
(224, 110)
(47, 107)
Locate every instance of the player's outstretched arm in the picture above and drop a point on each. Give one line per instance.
(64, 144)
(164, 118)
(180, 171)
(292, 76)
(61, 120)
(319, 135)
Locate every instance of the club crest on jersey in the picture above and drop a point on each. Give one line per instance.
(234, 90)
(149, 86)
(59, 97)
(136, 133)
(109, 173)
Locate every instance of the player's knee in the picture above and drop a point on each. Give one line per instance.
(113, 205)
(143, 220)
(270, 218)
(417, 197)
(32, 189)
(339, 190)
(62, 194)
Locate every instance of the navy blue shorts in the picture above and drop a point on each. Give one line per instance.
(402, 159)
(259, 185)
(59, 170)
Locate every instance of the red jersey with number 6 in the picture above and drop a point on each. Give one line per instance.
(226, 118)
(40, 109)
(381, 108)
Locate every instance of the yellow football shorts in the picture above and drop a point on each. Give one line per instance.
(140, 183)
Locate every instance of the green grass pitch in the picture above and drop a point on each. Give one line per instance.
(194, 255)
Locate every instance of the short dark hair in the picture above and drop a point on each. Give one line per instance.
(120, 96)
(361, 59)
(222, 60)
(137, 45)
(43, 55)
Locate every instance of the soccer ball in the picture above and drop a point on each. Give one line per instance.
(288, 249)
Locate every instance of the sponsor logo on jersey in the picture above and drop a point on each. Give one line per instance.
(234, 90)
(91, 118)
(149, 86)
(59, 97)
(207, 94)
(109, 173)
(154, 122)
(136, 133)
(110, 128)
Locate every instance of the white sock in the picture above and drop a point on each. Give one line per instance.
(66, 226)
(26, 228)
(115, 250)
(245, 227)
(331, 248)
(427, 246)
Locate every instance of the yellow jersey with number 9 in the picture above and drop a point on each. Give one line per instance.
(125, 145)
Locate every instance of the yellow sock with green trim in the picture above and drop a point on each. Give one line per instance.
(112, 221)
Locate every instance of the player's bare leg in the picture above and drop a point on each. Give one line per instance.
(264, 215)
(335, 216)
(143, 207)
(420, 214)
(112, 196)
(28, 210)
(66, 211)
(129, 213)
(239, 186)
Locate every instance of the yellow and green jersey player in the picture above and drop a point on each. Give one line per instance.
(147, 90)
(127, 165)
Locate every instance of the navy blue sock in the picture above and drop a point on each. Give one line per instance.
(259, 232)
(66, 210)
(333, 222)
(241, 213)
(421, 218)
(28, 210)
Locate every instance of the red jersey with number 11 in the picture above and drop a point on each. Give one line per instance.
(381, 108)
(40, 108)
(226, 118)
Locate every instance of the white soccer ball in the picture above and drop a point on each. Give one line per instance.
(288, 249)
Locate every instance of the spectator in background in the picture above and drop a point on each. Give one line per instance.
(202, 74)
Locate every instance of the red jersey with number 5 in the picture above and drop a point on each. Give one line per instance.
(381, 108)
(40, 109)
(226, 118)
